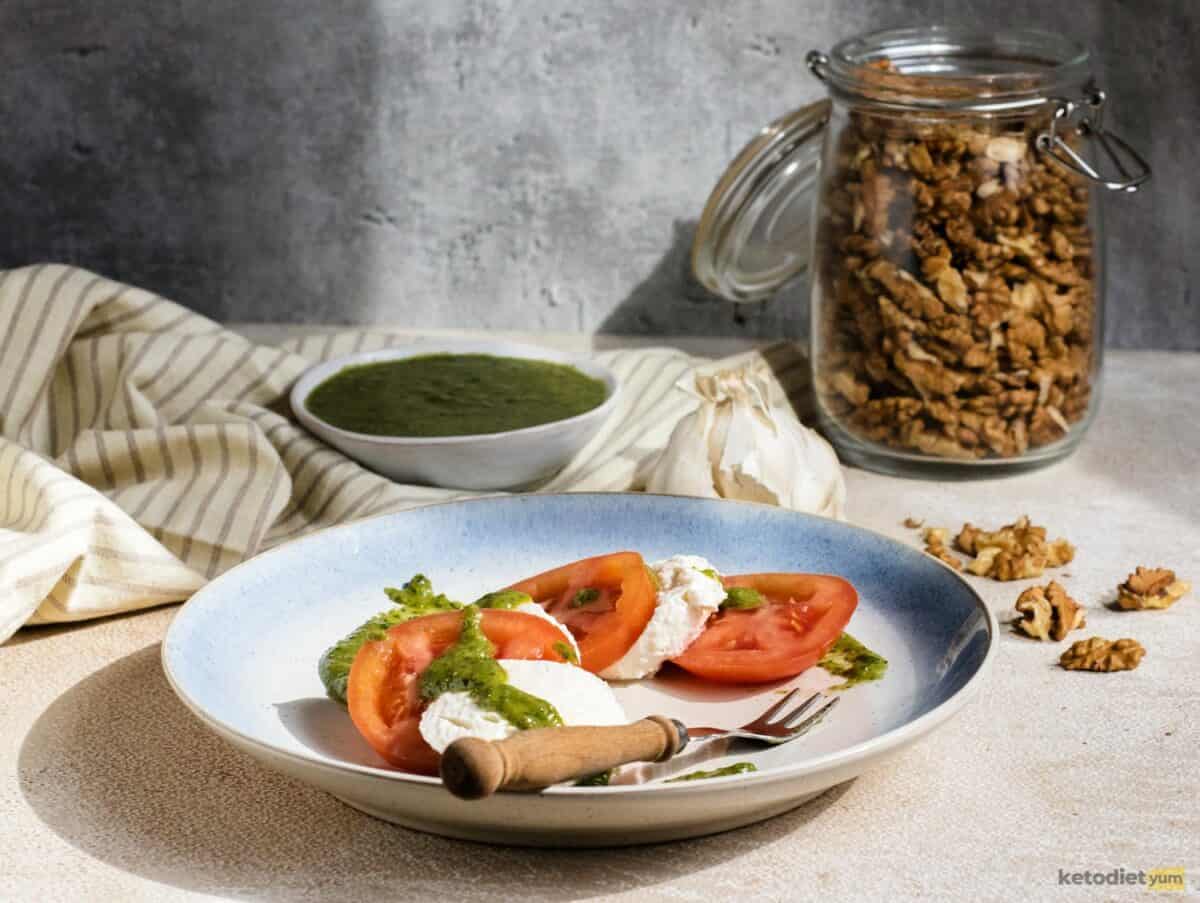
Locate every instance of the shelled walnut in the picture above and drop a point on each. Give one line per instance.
(1099, 654)
(1151, 588)
(1016, 551)
(935, 545)
(1048, 613)
(956, 301)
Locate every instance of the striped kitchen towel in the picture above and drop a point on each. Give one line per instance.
(145, 449)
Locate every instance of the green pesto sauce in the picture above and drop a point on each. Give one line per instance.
(414, 599)
(470, 666)
(417, 598)
(850, 659)
(742, 597)
(711, 572)
(452, 395)
(585, 596)
(511, 599)
(735, 768)
(600, 779)
(506, 599)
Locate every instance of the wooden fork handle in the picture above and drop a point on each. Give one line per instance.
(533, 760)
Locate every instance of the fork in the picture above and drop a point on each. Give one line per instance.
(533, 760)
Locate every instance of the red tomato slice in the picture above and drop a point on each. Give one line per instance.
(617, 602)
(383, 693)
(803, 616)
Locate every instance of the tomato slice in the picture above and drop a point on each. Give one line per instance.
(382, 692)
(803, 616)
(605, 602)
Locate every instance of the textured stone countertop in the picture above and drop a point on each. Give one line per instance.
(111, 790)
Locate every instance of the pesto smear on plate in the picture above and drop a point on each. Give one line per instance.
(735, 768)
(452, 395)
(850, 659)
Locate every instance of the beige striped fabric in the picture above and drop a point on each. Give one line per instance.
(145, 449)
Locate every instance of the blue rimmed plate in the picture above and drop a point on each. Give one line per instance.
(242, 655)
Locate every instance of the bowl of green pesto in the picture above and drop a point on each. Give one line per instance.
(460, 414)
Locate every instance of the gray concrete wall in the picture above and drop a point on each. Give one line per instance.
(514, 163)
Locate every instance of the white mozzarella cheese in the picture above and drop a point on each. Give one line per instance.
(579, 696)
(686, 598)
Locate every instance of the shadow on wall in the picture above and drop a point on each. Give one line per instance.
(164, 144)
(671, 301)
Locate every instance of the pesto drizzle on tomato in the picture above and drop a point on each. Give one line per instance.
(585, 596)
(415, 599)
(741, 598)
(506, 599)
(470, 666)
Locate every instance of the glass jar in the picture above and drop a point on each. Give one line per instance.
(957, 254)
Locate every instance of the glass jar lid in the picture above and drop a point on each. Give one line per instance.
(755, 232)
(954, 68)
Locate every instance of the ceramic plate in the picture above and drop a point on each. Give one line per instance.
(242, 654)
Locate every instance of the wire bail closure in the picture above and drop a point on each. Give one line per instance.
(818, 64)
(1087, 118)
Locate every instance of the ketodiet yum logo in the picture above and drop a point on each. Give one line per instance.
(1161, 879)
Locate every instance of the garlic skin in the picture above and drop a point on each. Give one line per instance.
(745, 442)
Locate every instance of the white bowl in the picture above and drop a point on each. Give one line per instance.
(507, 460)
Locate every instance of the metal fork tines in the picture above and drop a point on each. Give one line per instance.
(779, 723)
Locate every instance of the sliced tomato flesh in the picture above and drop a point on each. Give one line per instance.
(383, 692)
(605, 602)
(803, 616)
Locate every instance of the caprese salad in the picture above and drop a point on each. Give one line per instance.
(541, 652)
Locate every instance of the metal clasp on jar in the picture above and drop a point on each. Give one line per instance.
(1087, 118)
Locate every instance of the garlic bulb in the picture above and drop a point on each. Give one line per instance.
(744, 441)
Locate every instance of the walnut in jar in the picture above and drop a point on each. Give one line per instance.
(956, 288)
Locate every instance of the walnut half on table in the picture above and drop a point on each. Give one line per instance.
(1048, 613)
(1017, 551)
(1099, 654)
(935, 545)
(1151, 588)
